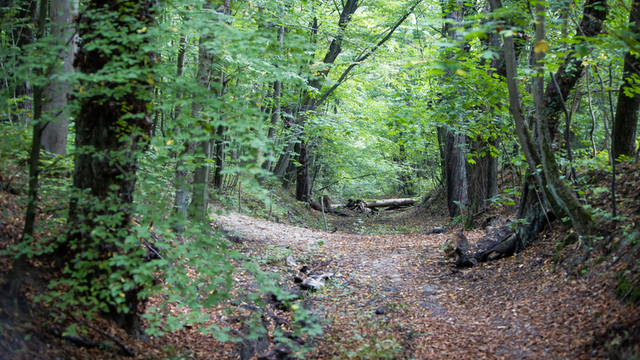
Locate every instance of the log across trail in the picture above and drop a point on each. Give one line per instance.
(389, 203)
(376, 204)
(397, 294)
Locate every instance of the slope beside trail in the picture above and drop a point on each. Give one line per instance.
(515, 308)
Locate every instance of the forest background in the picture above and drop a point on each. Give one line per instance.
(133, 116)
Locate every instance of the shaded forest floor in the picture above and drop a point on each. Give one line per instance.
(394, 295)
(520, 307)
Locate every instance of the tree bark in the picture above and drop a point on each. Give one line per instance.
(111, 128)
(531, 206)
(54, 135)
(17, 270)
(580, 218)
(455, 163)
(302, 178)
(626, 119)
(390, 202)
(200, 200)
(220, 157)
(180, 179)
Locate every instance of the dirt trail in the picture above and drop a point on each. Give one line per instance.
(514, 308)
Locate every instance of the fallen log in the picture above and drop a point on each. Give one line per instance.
(390, 203)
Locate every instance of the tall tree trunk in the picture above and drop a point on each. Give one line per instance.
(531, 206)
(455, 142)
(112, 127)
(54, 135)
(626, 120)
(277, 111)
(580, 218)
(180, 179)
(18, 266)
(200, 200)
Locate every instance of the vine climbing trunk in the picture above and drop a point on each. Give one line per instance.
(111, 129)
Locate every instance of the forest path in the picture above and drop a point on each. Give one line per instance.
(513, 308)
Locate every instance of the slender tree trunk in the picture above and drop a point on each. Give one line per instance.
(442, 139)
(531, 205)
(593, 17)
(605, 113)
(626, 119)
(302, 178)
(182, 172)
(18, 267)
(580, 218)
(277, 111)
(200, 199)
(54, 135)
(23, 35)
(220, 157)
(593, 115)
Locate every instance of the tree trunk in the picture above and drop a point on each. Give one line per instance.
(276, 115)
(455, 163)
(23, 35)
(528, 202)
(481, 178)
(54, 135)
(302, 174)
(180, 179)
(442, 140)
(111, 128)
(390, 202)
(626, 120)
(200, 199)
(18, 266)
(220, 157)
(580, 218)
(593, 16)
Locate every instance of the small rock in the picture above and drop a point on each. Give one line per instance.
(381, 310)
(291, 262)
(437, 230)
(428, 290)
